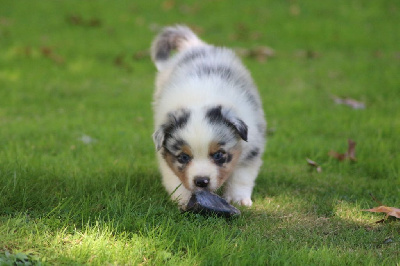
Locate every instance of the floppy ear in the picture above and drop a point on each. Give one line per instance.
(228, 117)
(241, 128)
(158, 137)
(238, 124)
(175, 120)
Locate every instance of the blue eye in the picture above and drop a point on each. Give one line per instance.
(218, 157)
(183, 158)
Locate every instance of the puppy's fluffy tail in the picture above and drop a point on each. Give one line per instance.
(172, 38)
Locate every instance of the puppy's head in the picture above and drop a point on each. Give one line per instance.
(201, 146)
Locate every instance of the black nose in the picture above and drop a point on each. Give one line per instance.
(201, 181)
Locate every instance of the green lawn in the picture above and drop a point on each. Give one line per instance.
(78, 178)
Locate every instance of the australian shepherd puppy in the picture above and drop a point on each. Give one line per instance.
(209, 121)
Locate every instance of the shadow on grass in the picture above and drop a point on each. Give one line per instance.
(290, 217)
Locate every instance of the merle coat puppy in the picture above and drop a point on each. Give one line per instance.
(209, 121)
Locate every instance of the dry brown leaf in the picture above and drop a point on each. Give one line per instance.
(314, 165)
(260, 53)
(377, 54)
(351, 151)
(390, 211)
(196, 29)
(120, 62)
(349, 102)
(339, 156)
(168, 5)
(294, 10)
(49, 53)
(75, 19)
(242, 32)
(189, 9)
(256, 35)
(4, 21)
(309, 54)
(350, 154)
(94, 22)
(46, 51)
(142, 54)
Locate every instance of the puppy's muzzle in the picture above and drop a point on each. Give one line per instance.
(201, 181)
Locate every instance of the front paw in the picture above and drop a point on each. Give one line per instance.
(246, 202)
(181, 199)
(238, 200)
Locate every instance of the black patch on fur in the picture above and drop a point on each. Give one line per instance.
(176, 121)
(226, 159)
(230, 75)
(215, 116)
(229, 158)
(223, 71)
(252, 99)
(163, 51)
(192, 55)
(177, 146)
(164, 46)
(169, 39)
(165, 133)
(179, 118)
(252, 154)
(220, 164)
(238, 126)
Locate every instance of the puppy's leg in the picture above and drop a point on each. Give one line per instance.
(174, 186)
(239, 186)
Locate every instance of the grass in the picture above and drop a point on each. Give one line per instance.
(78, 179)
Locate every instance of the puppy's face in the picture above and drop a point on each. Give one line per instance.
(201, 146)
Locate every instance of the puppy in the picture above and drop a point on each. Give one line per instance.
(209, 122)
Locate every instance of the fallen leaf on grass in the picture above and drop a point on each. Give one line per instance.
(377, 54)
(119, 61)
(139, 55)
(79, 21)
(349, 102)
(314, 165)
(4, 21)
(49, 53)
(350, 154)
(241, 32)
(189, 9)
(309, 54)
(74, 19)
(294, 10)
(168, 5)
(260, 53)
(94, 22)
(196, 29)
(390, 211)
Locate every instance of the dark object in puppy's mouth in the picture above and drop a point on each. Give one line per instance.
(207, 203)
